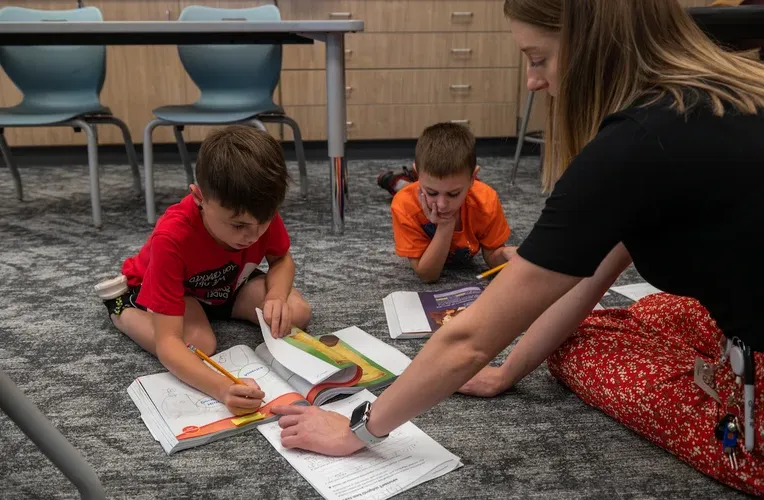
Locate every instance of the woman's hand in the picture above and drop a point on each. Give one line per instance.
(313, 429)
(487, 383)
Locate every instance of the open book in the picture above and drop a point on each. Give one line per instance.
(407, 458)
(181, 417)
(419, 314)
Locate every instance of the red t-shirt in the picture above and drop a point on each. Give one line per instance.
(181, 258)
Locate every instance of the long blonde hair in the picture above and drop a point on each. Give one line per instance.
(616, 52)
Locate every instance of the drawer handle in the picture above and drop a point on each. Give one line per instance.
(54, 20)
(461, 14)
(348, 52)
(344, 15)
(234, 19)
(461, 87)
(348, 89)
(349, 124)
(461, 51)
(461, 122)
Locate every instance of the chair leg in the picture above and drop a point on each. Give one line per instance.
(299, 149)
(148, 168)
(28, 417)
(183, 150)
(95, 189)
(521, 137)
(132, 156)
(6, 152)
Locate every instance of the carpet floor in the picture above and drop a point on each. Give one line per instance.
(536, 441)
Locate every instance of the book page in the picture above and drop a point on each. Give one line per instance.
(182, 406)
(410, 313)
(381, 353)
(298, 360)
(406, 458)
(636, 291)
(298, 383)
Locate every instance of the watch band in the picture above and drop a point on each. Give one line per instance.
(358, 423)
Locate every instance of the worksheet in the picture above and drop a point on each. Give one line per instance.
(407, 458)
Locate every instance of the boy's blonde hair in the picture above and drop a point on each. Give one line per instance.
(614, 53)
(243, 169)
(446, 149)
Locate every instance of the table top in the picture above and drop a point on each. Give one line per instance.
(169, 32)
(731, 23)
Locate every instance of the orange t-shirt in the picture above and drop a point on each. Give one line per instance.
(483, 224)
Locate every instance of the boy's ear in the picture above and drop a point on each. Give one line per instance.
(474, 174)
(413, 166)
(197, 194)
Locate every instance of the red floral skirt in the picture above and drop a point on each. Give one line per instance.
(637, 365)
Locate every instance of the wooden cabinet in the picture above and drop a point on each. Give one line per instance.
(417, 62)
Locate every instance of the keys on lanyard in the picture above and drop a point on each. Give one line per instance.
(727, 431)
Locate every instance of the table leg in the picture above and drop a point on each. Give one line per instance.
(336, 123)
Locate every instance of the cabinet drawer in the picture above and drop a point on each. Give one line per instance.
(412, 50)
(406, 121)
(404, 15)
(405, 86)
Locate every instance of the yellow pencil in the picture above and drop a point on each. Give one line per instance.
(215, 364)
(491, 271)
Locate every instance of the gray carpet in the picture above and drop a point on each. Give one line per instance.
(537, 441)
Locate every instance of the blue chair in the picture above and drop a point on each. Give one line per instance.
(61, 86)
(236, 83)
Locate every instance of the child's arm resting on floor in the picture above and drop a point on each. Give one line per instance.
(188, 367)
(278, 285)
(429, 266)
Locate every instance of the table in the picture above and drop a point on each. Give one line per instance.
(730, 24)
(332, 33)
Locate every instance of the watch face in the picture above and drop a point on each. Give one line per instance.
(358, 414)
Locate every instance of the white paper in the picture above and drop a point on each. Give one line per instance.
(408, 457)
(636, 291)
(311, 368)
(411, 315)
(598, 306)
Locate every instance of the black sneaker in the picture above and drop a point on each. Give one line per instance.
(389, 180)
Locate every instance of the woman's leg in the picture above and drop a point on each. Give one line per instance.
(637, 365)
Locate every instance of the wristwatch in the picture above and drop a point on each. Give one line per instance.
(358, 421)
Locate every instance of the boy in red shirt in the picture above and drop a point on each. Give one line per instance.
(447, 215)
(201, 263)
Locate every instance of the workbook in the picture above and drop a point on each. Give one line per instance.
(340, 363)
(406, 459)
(418, 314)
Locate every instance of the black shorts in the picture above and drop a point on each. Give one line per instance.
(214, 312)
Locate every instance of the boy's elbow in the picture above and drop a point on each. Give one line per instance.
(426, 275)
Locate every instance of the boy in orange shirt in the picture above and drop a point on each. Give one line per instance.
(447, 215)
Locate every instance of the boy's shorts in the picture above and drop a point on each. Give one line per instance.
(214, 312)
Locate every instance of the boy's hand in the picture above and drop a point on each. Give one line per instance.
(278, 315)
(432, 212)
(508, 253)
(243, 399)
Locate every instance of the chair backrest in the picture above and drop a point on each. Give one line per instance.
(54, 74)
(232, 75)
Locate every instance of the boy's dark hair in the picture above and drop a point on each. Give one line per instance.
(446, 149)
(243, 169)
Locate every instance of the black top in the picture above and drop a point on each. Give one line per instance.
(685, 196)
